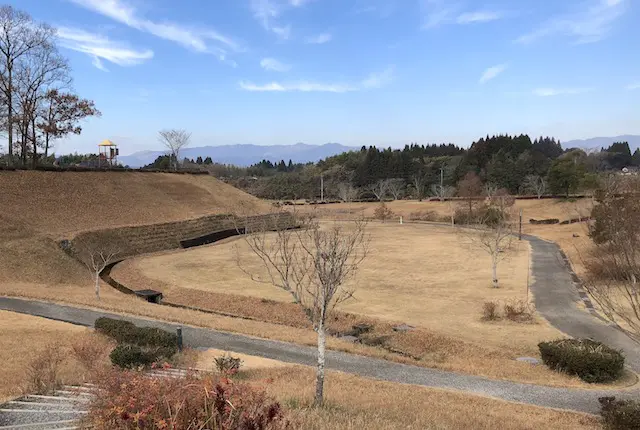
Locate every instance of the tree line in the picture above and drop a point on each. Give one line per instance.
(515, 164)
(37, 102)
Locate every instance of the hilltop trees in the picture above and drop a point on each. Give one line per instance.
(174, 140)
(38, 104)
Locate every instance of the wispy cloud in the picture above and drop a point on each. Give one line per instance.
(302, 86)
(196, 39)
(298, 3)
(267, 13)
(101, 48)
(550, 92)
(320, 39)
(480, 16)
(373, 81)
(492, 72)
(588, 25)
(274, 65)
(441, 12)
(634, 86)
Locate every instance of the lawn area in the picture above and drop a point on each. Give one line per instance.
(356, 402)
(439, 286)
(422, 275)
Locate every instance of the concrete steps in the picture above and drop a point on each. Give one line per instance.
(61, 410)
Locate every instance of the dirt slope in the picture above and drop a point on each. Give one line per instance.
(38, 208)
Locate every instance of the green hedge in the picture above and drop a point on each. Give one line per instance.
(129, 356)
(590, 360)
(619, 414)
(128, 333)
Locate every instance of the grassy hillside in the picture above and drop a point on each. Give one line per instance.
(39, 208)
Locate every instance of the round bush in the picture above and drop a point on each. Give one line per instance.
(591, 361)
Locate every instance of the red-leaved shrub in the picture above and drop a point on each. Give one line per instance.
(132, 400)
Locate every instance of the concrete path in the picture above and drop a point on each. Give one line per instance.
(556, 299)
(578, 400)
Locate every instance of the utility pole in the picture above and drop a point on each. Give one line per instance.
(520, 233)
(322, 188)
(442, 183)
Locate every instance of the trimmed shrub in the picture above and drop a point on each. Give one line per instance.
(545, 221)
(128, 356)
(619, 414)
(591, 361)
(131, 400)
(126, 332)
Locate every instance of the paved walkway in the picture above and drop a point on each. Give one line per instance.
(579, 400)
(556, 299)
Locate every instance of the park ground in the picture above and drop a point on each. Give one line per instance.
(427, 276)
(353, 402)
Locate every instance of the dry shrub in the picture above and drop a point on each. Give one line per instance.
(490, 311)
(227, 364)
(383, 212)
(131, 400)
(91, 351)
(43, 370)
(518, 311)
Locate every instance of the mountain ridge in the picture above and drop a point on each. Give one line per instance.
(246, 154)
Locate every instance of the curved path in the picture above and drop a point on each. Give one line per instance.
(578, 400)
(555, 298)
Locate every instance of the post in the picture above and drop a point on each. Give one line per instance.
(520, 230)
(400, 220)
(179, 333)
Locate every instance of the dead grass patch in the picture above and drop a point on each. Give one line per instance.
(355, 402)
(36, 353)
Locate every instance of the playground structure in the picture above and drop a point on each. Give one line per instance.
(108, 154)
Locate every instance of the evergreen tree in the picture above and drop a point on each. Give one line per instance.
(208, 161)
(199, 160)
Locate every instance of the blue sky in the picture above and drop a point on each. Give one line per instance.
(383, 72)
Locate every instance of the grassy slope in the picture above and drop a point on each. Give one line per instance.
(37, 208)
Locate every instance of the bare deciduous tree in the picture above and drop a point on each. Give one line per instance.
(613, 267)
(174, 140)
(97, 257)
(493, 234)
(490, 189)
(19, 35)
(535, 184)
(379, 189)
(312, 264)
(347, 192)
(444, 194)
(396, 187)
(419, 182)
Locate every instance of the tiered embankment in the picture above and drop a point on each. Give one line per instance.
(39, 209)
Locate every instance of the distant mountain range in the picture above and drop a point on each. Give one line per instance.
(245, 155)
(603, 142)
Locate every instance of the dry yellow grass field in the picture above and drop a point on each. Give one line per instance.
(439, 287)
(23, 337)
(426, 276)
(356, 403)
